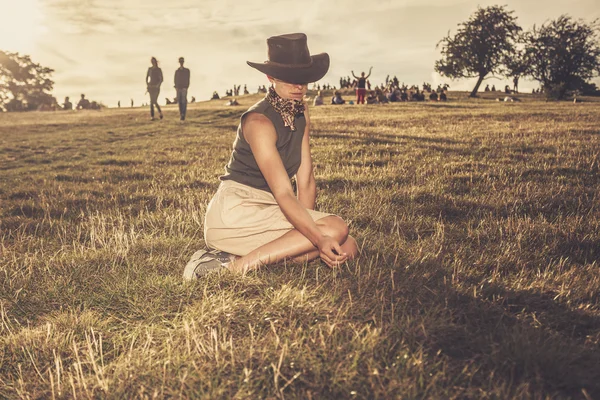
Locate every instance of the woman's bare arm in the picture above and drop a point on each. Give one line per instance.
(305, 178)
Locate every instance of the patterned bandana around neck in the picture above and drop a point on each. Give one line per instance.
(288, 109)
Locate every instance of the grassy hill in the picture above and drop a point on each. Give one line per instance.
(479, 224)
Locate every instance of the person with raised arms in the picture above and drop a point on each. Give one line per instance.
(255, 218)
(361, 86)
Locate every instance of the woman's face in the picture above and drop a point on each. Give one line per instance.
(291, 91)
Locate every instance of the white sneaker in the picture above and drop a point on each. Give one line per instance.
(204, 262)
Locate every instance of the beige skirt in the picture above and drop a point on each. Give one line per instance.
(240, 218)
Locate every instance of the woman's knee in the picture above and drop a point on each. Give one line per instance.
(335, 227)
(350, 247)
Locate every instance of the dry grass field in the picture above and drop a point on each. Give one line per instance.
(479, 277)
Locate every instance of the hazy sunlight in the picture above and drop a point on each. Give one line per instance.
(20, 25)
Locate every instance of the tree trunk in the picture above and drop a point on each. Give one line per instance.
(476, 88)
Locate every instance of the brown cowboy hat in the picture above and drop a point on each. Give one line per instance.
(290, 61)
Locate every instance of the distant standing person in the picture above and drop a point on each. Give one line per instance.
(182, 83)
(154, 78)
(361, 86)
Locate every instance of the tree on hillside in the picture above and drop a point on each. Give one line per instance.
(563, 55)
(24, 84)
(480, 46)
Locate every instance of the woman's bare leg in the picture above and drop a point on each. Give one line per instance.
(294, 244)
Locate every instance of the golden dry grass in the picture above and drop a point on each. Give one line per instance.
(479, 276)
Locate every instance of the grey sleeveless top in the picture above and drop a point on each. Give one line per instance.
(242, 166)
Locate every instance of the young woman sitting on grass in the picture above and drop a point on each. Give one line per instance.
(255, 219)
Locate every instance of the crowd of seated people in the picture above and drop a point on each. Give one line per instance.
(82, 104)
(507, 89)
(393, 92)
(390, 92)
(237, 88)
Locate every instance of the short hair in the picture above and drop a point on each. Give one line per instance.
(181, 59)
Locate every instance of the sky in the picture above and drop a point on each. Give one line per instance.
(103, 47)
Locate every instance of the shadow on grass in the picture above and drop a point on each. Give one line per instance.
(518, 337)
(369, 137)
(121, 163)
(352, 184)
(548, 358)
(491, 342)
